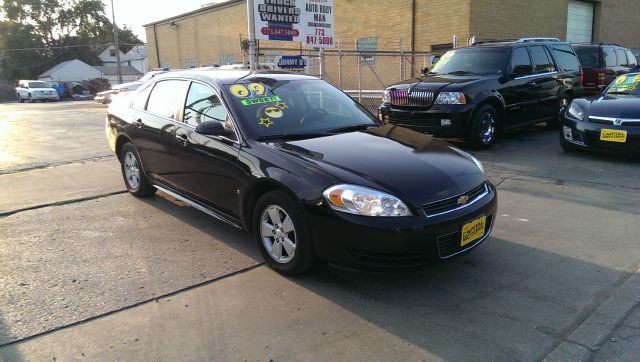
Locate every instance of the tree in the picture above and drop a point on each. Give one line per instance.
(63, 29)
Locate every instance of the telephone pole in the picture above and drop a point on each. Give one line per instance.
(115, 42)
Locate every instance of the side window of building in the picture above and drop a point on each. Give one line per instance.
(140, 99)
(565, 58)
(541, 62)
(633, 62)
(166, 97)
(203, 105)
(521, 63)
(609, 57)
(622, 58)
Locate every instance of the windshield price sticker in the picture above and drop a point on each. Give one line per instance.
(263, 100)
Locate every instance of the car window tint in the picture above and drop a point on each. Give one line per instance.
(203, 105)
(633, 62)
(140, 99)
(609, 57)
(541, 61)
(166, 97)
(622, 58)
(588, 57)
(521, 63)
(565, 58)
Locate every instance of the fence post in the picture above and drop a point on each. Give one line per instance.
(322, 67)
(339, 68)
(402, 71)
(359, 73)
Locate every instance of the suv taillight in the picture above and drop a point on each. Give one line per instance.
(601, 77)
(582, 78)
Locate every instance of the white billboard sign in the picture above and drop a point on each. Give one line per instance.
(306, 21)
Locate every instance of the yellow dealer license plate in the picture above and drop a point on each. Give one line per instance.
(473, 230)
(613, 135)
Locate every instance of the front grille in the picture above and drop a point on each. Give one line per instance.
(389, 260)
(449, 245)
(418, 98)
(609, 122)
(450, 204)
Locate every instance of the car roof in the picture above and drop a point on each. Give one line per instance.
(230, 76)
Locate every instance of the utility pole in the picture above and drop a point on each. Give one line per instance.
(115, 42)
(253, 56)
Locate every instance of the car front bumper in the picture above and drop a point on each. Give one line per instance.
(379, 242)
(586, 135)
(431, 120)
(46, 96)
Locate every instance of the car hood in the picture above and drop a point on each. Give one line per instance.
(411, 165)
(616, 106)
(129, 86)
(437, 82)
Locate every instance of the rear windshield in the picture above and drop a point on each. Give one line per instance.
(565, 58)
(38, 85)
(483, 61)
(588, 56)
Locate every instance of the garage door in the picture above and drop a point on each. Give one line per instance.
(580, 22)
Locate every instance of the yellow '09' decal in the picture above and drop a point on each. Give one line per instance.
(257, 88)
(239, 91)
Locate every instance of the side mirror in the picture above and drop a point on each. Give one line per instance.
(601, 89)
(424, 70)
(211, 128)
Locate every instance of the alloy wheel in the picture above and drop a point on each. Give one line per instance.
(278, 234)
(131, 170)
(487, 127)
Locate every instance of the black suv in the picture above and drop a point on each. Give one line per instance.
(474, 92)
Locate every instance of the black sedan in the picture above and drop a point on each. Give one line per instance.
(609, 122)
(303, 167)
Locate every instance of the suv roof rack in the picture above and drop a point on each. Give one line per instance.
(493, 41)
(599, 44)
(530, 40)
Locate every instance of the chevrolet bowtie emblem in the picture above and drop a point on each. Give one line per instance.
(463, 199)
(617, 122)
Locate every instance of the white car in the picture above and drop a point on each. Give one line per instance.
(107, 96)
(35, 90)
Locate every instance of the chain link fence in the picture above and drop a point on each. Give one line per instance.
(361, 74)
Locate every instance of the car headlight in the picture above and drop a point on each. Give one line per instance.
(575, 111)
(386, 96)
(360, 200)
(451, 98)
(478, 163)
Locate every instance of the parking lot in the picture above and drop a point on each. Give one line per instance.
(88, 271)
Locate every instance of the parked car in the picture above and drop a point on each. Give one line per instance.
(609, 122)
(306, 169)
(35, 90)
(602, 63)
(476, 91)
(106, 96)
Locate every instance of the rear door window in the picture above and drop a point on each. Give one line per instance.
(633, 62)
(541, 62)
(622, 58)
(565, 58)
(610, 59)
(588, 56)
(166, 97)
(521, 63)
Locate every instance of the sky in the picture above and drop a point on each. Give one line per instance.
(135, 13)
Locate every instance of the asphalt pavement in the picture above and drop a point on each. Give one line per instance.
(90, 272)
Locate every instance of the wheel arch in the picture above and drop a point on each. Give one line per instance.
(497, 102)
(254, 192)
(120, 142)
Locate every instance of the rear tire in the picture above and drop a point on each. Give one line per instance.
(563, 104)
(134, 176)
(282, 233)
(484, 126)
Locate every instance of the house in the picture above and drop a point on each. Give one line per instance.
(137, 57)
(110, 72)
(70, 71)
(108, 56)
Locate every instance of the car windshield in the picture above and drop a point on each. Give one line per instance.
(275, 108)
(625, 84)
(483, 61)
(38, 85)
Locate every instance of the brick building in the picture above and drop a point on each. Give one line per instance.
(211, 34)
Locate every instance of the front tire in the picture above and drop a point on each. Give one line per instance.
(282, 234)
(31, 100)
(563, 104)
(484, 125)
(134, 176)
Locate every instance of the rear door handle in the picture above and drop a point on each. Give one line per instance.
(533, 82)
(183, 139)
(138, 123)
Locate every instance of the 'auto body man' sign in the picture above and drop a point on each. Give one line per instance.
(306, 21)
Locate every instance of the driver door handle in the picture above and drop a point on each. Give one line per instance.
(183, 139)
(533, 82)
(138, 123)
